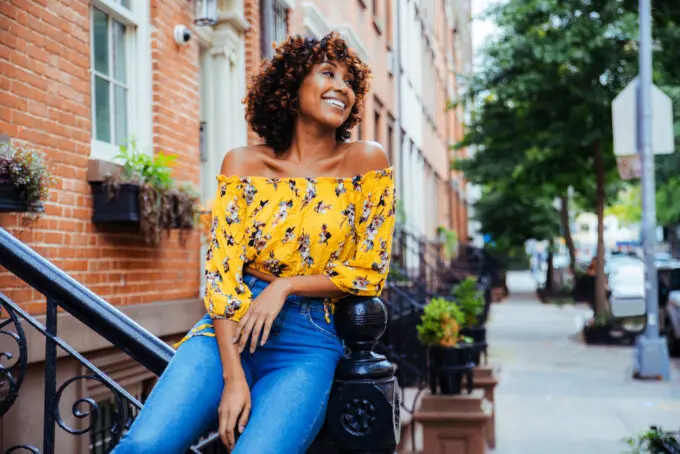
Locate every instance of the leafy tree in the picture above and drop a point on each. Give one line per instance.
(542, 102)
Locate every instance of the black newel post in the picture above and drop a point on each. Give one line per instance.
(363, 410)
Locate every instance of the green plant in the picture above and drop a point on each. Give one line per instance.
(140, 167)
(162, 205)
(187, 206)
(440, 323)
(654, 441)
(470, 300)
(450, 238)
(24, 168)
(400, 215)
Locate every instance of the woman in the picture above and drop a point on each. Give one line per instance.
(298, 224)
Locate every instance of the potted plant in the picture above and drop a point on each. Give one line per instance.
(24, 179)
(143, 192)
(449, 238)
(471, 303)
(654, 441)
(449, 355)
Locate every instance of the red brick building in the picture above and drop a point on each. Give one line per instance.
(79, 78)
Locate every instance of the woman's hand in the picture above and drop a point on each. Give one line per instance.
(234, 407)
(261, 315)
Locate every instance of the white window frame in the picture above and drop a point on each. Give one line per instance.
(138, 67)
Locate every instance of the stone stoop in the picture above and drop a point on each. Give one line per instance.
(408, 425)
(454, 424)
(485, 379)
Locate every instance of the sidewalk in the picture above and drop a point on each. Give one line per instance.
(557, 396)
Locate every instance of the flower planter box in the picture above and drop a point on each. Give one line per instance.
(448, 366)
(479, 345)
(123, 207)
(13, 201)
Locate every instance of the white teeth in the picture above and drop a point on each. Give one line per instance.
(335, 102)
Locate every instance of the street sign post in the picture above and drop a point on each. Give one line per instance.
(625, 121)
(651, 355)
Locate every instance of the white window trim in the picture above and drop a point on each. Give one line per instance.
(348, 33)
(313, 21)
(138, 65)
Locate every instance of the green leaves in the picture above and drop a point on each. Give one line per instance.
(139, 167)
(440, 323)
(541, 106)
(25, 169)
(470, 300)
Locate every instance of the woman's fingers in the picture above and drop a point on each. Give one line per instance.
(230, 425)
(245, 334)
(257, 330)
(245, 415)
(224, 433)
(267, 329)
(240, 326)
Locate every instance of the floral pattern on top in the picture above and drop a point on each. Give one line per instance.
(339, 227)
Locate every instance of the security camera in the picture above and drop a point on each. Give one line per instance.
(182, 34)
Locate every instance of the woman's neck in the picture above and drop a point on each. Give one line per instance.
(311, 143)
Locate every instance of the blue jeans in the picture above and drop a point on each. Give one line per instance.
(290, 379)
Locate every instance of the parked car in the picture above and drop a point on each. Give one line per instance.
(627, 289)
(669, 304)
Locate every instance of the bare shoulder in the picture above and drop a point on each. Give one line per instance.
(244, 161)
(365, 156)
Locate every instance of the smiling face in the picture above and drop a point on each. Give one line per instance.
(326, 94)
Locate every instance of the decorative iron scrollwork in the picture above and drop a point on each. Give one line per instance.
(19, 448)
(121, 418)
(12, 374)
(358, 416)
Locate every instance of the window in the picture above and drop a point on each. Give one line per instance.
(120, 65)
(109, 74)
(378, 126)
(273, 23)
(390, 142)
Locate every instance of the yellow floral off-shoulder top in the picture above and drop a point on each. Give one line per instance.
(340, 227)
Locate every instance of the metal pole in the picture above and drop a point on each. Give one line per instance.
(652, 359)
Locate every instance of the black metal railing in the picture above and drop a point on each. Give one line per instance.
(363, 412)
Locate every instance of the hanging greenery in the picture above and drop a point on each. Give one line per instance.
(162, 206)
(24, 169)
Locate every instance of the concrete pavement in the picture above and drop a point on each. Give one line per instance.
(557, 396)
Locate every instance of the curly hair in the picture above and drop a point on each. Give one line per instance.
(270, 102)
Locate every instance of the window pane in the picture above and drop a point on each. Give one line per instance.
(125, 3)
(118, 51)
(121, 114)
(100, 36)
(102, 108)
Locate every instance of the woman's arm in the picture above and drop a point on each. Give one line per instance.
(225, 331)
(312, 286)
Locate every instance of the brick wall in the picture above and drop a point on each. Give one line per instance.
(253, 53)
(45, 100)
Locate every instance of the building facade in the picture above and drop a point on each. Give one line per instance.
(79, 78)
